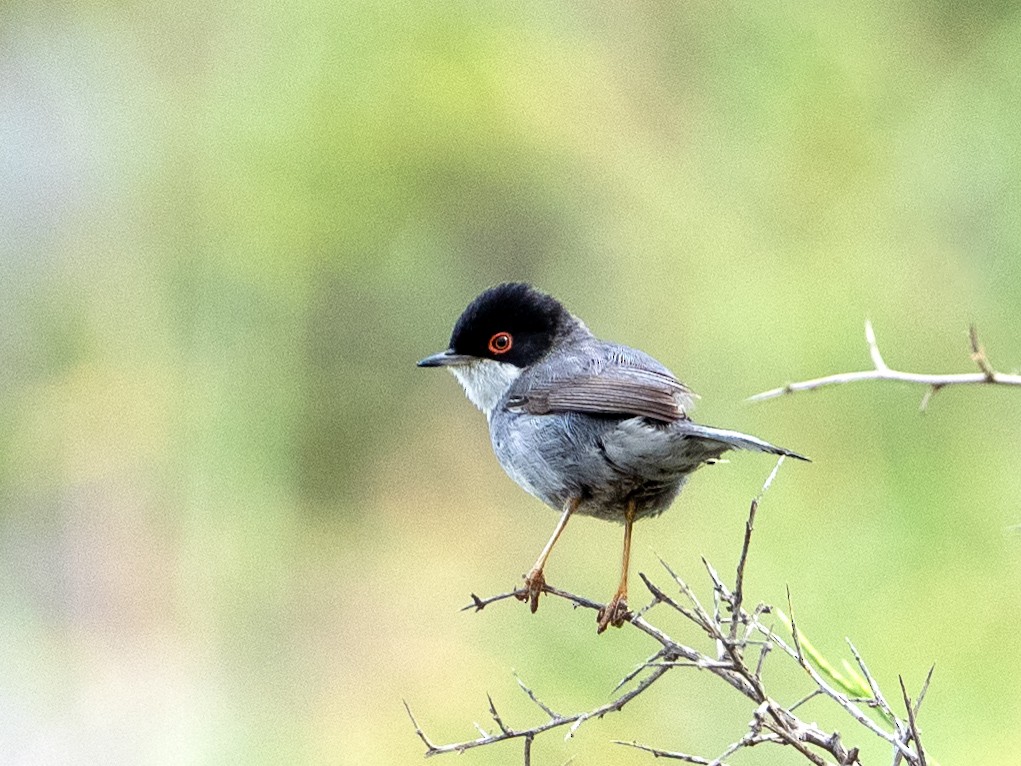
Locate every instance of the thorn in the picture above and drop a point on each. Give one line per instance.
(870, 338)
(794, 627)
(978, 354)
(925, 688)
(531, 695)
(496, 716)
(769, 479)
(929, 393)
(430, 747)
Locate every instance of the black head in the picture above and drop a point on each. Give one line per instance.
(512, 322)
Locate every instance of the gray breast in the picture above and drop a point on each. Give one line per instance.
(605, 461)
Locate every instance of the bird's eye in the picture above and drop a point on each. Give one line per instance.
(501, 343)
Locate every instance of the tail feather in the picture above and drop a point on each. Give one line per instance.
(738, 440)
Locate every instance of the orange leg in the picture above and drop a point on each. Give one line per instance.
(616, 612)
(534, 580)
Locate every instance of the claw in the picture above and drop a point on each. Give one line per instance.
(534, 585)
(615, 613)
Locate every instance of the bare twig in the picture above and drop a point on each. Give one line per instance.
(653, 661)
(978, 355)
(881, 371)
(739, 580)
(738, 597)
(925, 688)
(670, 754)
(911, 722)
(810, 696)
(478, 604)
(531, 695)
(496, 716)
(554, 720)
(878, 701)
(429, 746)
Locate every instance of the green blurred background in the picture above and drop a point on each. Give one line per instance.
(238, 523)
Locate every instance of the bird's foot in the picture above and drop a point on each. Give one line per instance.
(615, 613)
(534, 585)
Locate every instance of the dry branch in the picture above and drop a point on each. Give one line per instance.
(741, 641)
(986, 375)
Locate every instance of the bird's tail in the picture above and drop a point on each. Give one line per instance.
(738, 440)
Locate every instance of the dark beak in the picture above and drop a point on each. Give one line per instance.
(446, 358)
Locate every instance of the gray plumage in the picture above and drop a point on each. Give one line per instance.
(621, 431)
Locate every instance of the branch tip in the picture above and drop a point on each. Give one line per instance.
(925, 688)
(987, 374)
(430, 748)
(877, 357)
(978, 355)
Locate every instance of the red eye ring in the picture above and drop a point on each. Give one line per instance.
(501, 343)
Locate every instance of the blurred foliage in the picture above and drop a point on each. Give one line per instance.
(237, 522)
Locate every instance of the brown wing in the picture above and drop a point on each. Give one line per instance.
(615, 391)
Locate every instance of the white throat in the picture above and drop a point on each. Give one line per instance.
(485, 381)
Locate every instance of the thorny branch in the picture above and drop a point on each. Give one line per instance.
(741, 641)
(986, 375)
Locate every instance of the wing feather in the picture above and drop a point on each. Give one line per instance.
(615, 390)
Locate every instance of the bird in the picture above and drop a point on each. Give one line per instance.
(587, 426)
